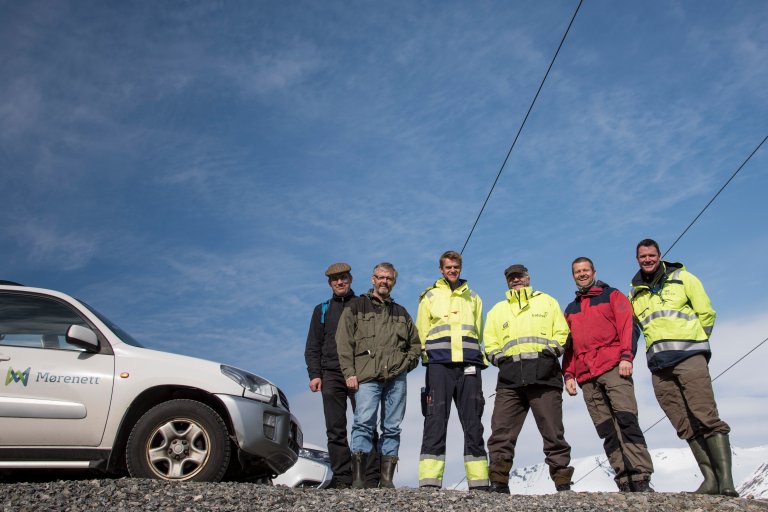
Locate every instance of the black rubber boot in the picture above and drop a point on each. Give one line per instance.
(720, 454)
(359, 463)
(499, 487)
(388, 464)
(624, 486)
(498, 473)
(700, 453)
(643, 485)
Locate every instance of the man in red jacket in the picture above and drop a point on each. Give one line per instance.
(599, 357)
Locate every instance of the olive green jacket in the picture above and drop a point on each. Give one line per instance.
(376, 340)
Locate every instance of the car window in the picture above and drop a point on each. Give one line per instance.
(33, 321)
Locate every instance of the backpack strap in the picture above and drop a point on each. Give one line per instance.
(323, 309)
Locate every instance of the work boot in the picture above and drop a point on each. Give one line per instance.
(699, 450)
(624, 486)
(499, 487)
(720, 455)
(359, 461)
(388, 464)
(562, 478)
(643, 485)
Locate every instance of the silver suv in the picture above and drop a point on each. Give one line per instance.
(79, 392)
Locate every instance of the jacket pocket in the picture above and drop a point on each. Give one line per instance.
(547, 366)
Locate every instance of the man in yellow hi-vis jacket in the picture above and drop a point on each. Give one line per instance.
(524, 336)
(677, 318)
(449, 322)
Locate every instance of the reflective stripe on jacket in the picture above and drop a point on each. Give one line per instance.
(675, 314)
(524, 336)
(450, 324)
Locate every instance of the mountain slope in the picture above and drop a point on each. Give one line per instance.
(675, 471)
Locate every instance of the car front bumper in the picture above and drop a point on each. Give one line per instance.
(270, 433)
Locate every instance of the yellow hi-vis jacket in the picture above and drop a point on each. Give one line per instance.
(675, 314)
(524, 336)
(450, 324)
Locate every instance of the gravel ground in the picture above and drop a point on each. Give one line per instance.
(131, 494)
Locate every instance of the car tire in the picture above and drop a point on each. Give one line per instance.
(179, 440)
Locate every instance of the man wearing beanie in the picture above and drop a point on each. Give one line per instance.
(524, 336)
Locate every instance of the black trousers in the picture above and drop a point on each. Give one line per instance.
(335, 395)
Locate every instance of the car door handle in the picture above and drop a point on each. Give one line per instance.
(4, 357)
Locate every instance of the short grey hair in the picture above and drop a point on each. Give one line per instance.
(387, 265)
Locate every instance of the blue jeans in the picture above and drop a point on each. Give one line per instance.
(391, 394)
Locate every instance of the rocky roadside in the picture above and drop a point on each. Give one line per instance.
(131, 494)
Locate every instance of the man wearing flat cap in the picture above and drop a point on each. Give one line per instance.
(325, 373)
(524, 336)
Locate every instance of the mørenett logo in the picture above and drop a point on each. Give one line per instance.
(17, 376)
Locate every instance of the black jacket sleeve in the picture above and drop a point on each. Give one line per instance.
(314, 349)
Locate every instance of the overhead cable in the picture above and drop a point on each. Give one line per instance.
(504, 163)
(715, 196)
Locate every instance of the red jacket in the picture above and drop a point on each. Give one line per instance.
(602, 333)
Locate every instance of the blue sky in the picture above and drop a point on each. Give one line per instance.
(191, 168)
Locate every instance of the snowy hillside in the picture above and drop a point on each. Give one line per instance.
(675, 470)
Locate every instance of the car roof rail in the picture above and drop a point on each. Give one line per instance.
(10, 283)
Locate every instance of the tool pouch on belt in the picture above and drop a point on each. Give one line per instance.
(426, 402)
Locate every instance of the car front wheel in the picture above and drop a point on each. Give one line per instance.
(179, 440)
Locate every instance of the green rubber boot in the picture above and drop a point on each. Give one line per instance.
(720, 454)
(700, 453)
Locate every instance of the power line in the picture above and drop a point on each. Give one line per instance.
(715, 196)
(498, 175)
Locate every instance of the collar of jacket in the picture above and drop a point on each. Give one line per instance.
(350, 295)
(593, 291)
(377, 301)
(666, 268)
(461, 288)
(521, 297)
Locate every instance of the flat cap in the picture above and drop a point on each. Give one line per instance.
(517, 268)
(338, 268)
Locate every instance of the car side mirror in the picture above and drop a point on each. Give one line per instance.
(83, 337)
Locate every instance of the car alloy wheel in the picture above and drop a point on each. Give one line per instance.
(179, 440)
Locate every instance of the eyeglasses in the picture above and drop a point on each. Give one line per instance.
(384, 278)
(339, 277)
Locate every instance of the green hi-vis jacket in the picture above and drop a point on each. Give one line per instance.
(450, 325)
(524, 336)
(376, 340)
(675, 314)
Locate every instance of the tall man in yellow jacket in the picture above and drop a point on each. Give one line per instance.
(449, 322)
(524, 336)
(677, 318)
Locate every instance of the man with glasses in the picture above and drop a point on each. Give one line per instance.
(524, 336)
(325, 373)
(377, 345)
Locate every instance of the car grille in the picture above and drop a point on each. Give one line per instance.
(295, 440)
(283, 399)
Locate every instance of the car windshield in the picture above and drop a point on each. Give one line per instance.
(124, 336)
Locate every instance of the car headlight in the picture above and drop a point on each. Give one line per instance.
(255, 387)
(315, 455)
